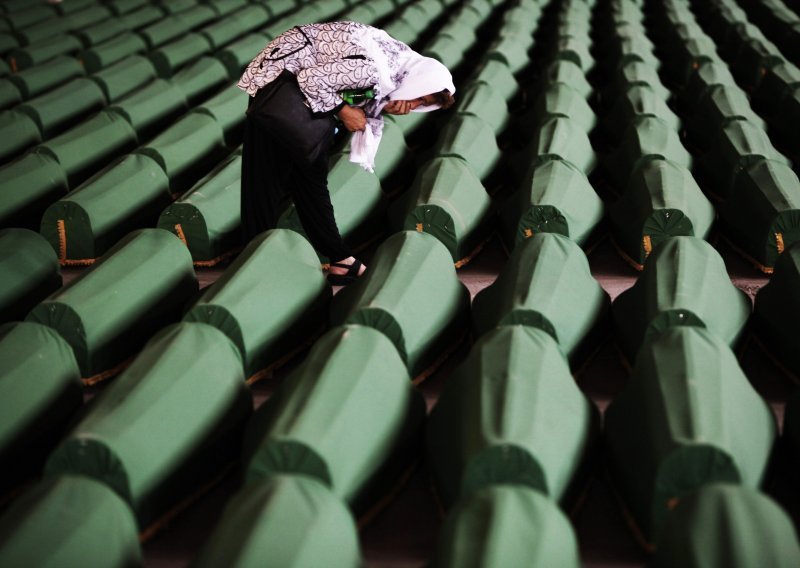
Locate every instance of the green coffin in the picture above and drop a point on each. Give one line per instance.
(559, 99)
(64, 106)
(555, 197)
(410, 293)
(546, 283)
(69, 521)
(30, 272)
(568, 73)
(228, 109)
(40, 392)
(42, 78)
(292, 520)
(170, 421)
(99, 32)
(18, 131)
(169, 58)
(720, 105)
(109, 52)
(684, 283)
(641, 101)
(639, 74)
(357, 200)
(208, 217)
(392, 155)
(43, 51)
(27, 186)
(727, 526)
(348, 417)
(762, 213)
(187, 150)
(511, 413)
(124, 77)
(85, 223)
(225, 30)
(575, 49)
(707, 76)
(497, 75)
(471, 139)
(508, 526)
(777, 309)
(202, 78)
(661, 200)
(270, 301)
(9, 94)
(561, 138)
(164, 30)
(111, 309)
(511, 50)
(448, 201)
(151, 109)
(485, 102)
(687, 417)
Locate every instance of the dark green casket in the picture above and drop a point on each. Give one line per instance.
(642, 101)
(487, 103)
(27, 186)
(497, 75)
(511, 414)
(560, 99)
(662, 200)
(412, 294)
(506, 525)
(639, 74)
(568, 73)
(687, 417)
(169, 423)
(727, 526)
(30, 272)
(684, 283)
(564, 138)
(472, 139)
(69, 520)
(720, 105)
(270, 301)
(707, 76)
(152, 108)
(348, 416)
(112, 308)
(284, 520)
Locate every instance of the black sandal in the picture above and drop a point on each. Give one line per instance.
(344, 279)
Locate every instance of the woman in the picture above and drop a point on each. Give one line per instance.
(296, 87)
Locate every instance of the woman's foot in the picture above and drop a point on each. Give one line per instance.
(345, 271)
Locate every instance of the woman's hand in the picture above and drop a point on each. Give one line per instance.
(353, 118)
(399, 107)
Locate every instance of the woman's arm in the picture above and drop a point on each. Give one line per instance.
(321, 84)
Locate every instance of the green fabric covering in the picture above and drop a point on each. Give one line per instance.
(363, 14)
(18, 131)
(661, 200)
(777, 309)
(169, 58)
(27, 186)
(42, 78)
(124, 77)
(209, 213)
(781, 81)
(226, 7)
(546, 284)
(237, 55)
(635, 46)
(684, 283)
(412, 294)
(196, 15)
(638, 101)
(497, 75)
(568, 73)
(142, 16)
(173, 6)
(764, 203)
(125, 6)
(510, 414)
(471, 139)
(95, 528)
(446, 49)
(126, 195)
(111, 51)
(110, 310)
(200, 79)
(23, 18)
(100, 32)
(555, 197)
(82, 150)
(576, 50)
(348, 417)
(720, 105)
(791, 428)
(233, 26)
(561, 138)
(228, 109)
(511, 50)
(559, 99)
(164, 30)
(271, 300)
(693, 52)
(169, 422)
(639, 74)
(187, 149)
(30, 272)
(357, 200)
(44, 50)
(704, 79)
(687, 417)
(40, 391)
(392, 152)
(151, 108)
(727, 526)
(448, 201)
(485, 102)
(64, 106)
(509, 526)
(753, 61)
(292, 520)
(401, 29)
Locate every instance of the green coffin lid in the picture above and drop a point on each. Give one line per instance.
(234, 25)
(207, 216)
(164, 30)
(471, 139)
(40, 79)
(169, 58)
(777, 84)
(704, 79)
(574, 49)
(109, 52)
(562, 138)
(27, 186)
(569, 73)
(720, 105)
(546, 283)
(661, 200)
(687, 417)
(292, 520)
(18, 131)
(40, 391)
(124, 77)
(777, 309)
(30, 272)
(228, 109)
(126, 195)
(63, 106)
(271, 300)
(343, 417)
(357, 200)
(9, 94)
(555, 197)
(201, 78)
(112, 308)
(511, 50)
(496, 74)
(170, 421)
(762, 212)
(151, 108)
(44, 50)
(639, 74)
(412, 294)
(98, 32)
(511, 413)
(485, 102)
(392, 154)
(640, 101)
(448, 201)
(447, 50)
(560, 99)
(727, 526)
(95, 528)
(684, 283)
(144, 15)
(508, 526)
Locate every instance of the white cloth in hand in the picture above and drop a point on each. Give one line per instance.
(364, 144)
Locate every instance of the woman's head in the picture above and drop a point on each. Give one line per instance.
(426, 81)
